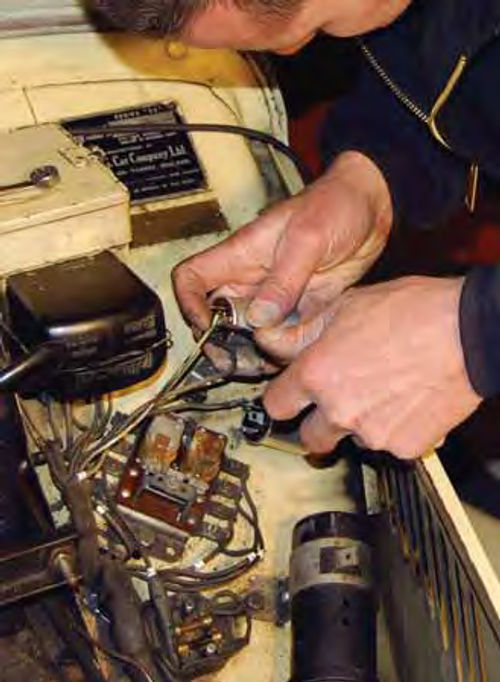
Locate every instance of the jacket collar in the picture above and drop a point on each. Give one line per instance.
(477, 20)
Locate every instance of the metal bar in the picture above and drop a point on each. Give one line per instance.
(36, 569)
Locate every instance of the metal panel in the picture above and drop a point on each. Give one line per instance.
(40, 16)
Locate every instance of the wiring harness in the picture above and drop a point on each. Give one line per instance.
(150, 639)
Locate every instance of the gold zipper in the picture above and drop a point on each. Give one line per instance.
(393, 87)
(430, 120)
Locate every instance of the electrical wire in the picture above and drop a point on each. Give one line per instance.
(170, 392)
(4, 327)
(12, 376)
(56, 434)
(69, 454)
(111, 653)
(89, 451)
(252, 519)
(187, 406)
(124, 357)
(68, 425)
(242, 131)
(34, 433)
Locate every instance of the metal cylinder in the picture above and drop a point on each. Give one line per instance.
(332, 600)
(257, 428)
(232, 310)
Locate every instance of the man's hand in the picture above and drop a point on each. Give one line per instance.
(387, 366)
(301, 253)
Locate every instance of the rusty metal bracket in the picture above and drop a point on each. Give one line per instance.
(39, 568)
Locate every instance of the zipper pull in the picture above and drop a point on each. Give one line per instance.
(472, 187)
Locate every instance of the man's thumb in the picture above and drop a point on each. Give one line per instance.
(286, 341)
(297, 257)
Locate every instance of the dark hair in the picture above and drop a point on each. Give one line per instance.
(169, 17)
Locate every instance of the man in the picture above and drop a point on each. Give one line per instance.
(398, 364)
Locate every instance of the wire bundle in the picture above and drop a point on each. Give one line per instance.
(77, 452)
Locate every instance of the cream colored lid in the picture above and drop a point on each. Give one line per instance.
(85, 186)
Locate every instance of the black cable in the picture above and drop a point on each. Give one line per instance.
(60, 615)
(121, 533)
(5, 328)
(228, 603)
(56, 434)
(175, 583)
(120, 525)
(210, 407)
(253, 519)
(249, 133)
(220, 575)
(111, 653)
(12, 377)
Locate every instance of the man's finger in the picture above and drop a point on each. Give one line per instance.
(318, 435)
(297, 256)
(190, 290)
(285, 398)
(244, 258)
(225, 263)
(286, 342)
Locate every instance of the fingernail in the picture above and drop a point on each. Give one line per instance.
(271, 335)
(263, 313)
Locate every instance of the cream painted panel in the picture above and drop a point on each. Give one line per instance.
(232, 172)
(63, 76)
(40, 15)
(15, 110)
(39, 61)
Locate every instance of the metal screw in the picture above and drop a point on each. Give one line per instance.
(256, 601)
(45, 176)
(189, 606)
(211, 649)
(125, 494)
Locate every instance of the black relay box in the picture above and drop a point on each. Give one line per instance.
(107, 323)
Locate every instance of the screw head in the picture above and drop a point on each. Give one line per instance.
(189, 606)
(45, 176)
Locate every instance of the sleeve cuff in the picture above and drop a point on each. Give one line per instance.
(480, 329)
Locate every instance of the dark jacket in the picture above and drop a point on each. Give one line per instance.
(426, 109)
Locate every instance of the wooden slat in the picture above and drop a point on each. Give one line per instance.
(463, 537)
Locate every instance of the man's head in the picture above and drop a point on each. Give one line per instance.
(277, 25)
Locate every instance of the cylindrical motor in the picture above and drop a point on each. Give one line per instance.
(332, 600)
